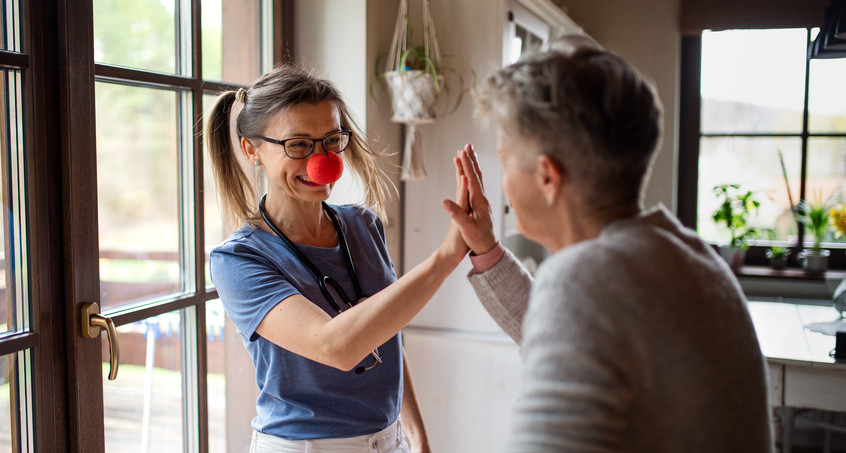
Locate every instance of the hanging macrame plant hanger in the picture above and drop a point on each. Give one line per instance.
(414, 91)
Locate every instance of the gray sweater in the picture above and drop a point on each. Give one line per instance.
(636, 341)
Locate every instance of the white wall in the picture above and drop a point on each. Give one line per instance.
(646, 33)
(329, 38)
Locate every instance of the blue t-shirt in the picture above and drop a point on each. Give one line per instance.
(299, 398)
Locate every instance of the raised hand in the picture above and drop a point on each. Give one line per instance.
(454, 244)
(471, 212)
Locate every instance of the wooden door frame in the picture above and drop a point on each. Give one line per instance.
(76, 111)
(44, 163)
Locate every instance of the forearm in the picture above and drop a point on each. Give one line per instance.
(412, 419)
(374, 321)
(504, 292)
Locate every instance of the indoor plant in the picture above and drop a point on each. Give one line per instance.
(736, 206)
(777, 254)
(815, 216)
(415, 78)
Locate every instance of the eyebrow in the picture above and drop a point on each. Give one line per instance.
(302, 135)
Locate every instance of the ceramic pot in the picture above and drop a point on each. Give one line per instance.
(778, 262)
(734, 256)
(814, 261)
(839, 298)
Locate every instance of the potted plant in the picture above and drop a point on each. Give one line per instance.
(815, 216)
(736, 206)
(776, 253)
(415, 77)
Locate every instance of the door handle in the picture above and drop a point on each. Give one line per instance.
(92, 321)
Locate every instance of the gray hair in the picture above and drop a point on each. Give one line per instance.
(589, 110)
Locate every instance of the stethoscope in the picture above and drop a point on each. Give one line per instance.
(325, 281)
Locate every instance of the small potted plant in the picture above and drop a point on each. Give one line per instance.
(838, 219)
(776, 253)
(415, 77)
(736, 206)
(815, 216)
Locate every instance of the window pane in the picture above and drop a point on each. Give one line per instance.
(11, 23)
(143, 407)
(138, 34)
(15, 403)
(7, 394)
(215, 320)
(827, 172)
(232, 40)
(138, 193)
(827, 96)
(754, 164)
(753, 81)
(14, 286)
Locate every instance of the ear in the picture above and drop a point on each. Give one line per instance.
(551, 178)
(249, 150)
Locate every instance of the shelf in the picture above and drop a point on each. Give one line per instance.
(789, 273)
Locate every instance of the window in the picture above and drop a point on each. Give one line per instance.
(103, 191)
(750, 101)
(157, 211)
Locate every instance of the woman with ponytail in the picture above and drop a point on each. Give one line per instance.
(310, 286)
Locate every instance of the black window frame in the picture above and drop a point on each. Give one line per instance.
(690, 104)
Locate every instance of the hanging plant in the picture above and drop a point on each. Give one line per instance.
(415, 78)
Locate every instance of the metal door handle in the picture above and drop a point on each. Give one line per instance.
(92, 321)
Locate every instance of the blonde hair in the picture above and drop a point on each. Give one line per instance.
(272, 94)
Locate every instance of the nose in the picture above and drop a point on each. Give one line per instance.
(319, 142)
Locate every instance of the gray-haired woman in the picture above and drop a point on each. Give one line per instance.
(635, 335)
(310, 286)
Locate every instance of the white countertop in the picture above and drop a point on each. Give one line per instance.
(784, 337)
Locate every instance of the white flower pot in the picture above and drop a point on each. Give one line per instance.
(814, 261)
(734, 256)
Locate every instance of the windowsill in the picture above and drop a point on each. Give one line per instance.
(764, 283)
(789, 273)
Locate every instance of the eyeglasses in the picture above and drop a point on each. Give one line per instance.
(300, 148)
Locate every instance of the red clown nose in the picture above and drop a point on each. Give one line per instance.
(325, 168)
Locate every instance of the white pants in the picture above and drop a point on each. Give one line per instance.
(389, 440)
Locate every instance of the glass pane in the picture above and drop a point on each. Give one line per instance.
(14, 286)
(7, 394)
(11, 23)
(143, 407)
(754, 164)
(216, 382)
(138, 194)
(15, 402)
(827, 96)
(826, 178)
(232, 41)
(740, 90)
(138, 34)
(523, 41)
(214, 233)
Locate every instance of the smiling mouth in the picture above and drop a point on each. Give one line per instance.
(307, 180)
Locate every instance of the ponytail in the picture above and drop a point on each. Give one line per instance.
(237, 192)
